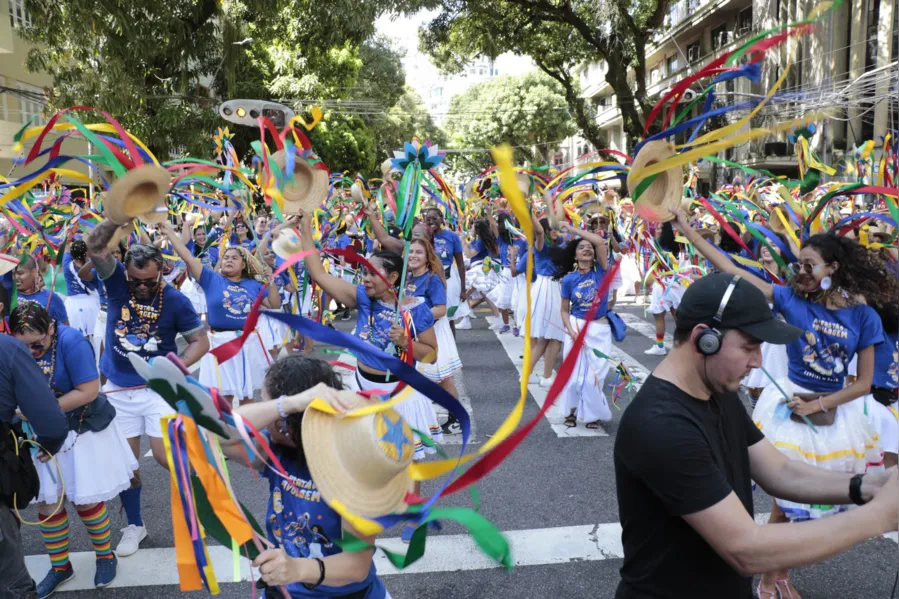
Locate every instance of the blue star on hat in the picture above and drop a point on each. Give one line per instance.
(395, 435)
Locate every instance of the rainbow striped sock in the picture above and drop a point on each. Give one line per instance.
(55, 531)
(96, 521)
(660, 340)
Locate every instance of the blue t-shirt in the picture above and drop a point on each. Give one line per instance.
(886, 362)
(505, 251)
(228, 303)
(300, 522)
(374, 319)
(6, 279)
(74, 284)
(148, 337)
(482, 251)
(249, 244)
(543, 263)
(75, 362)
(53, 304)
(820, 358)
(580, 290)
(429, 286)
(521, 263)
(343, 242)
(209, 258)
(447, 244)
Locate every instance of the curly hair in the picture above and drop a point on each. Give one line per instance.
(565, 257)
(861, 271)
(293, 374)
(78, 250)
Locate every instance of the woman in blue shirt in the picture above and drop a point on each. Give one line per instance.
(547, 329)
(195, 237)
(82, 299)
(95, 466)
(502, 294)
(242, 236)
(230, 292)
(586, 262)
(29, 286)
(828, 299)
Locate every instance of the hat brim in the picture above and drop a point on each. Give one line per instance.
(309, 187)
(774, 331)
(665, 193)
(323, 456)
(140, 194)
(7, 264)
(286, 245)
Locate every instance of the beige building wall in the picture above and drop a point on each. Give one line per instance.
(22, 95)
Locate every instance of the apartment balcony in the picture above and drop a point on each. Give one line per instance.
(688, 17)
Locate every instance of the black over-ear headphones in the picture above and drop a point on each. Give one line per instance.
(709, 341)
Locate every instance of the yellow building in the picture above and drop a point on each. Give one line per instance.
(23, 94)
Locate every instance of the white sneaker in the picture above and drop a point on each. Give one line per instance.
(546, 382)
(656, 350)
(464, 324)
(131, 537)
(497, 325)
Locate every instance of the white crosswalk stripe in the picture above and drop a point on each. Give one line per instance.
(647, 329)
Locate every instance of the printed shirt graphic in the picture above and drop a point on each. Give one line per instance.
(374, 319)
(429, 286)
(126, 332)
(74, 361)
(820, 358)
(580, 289)
(299, 521)
(53, 304)
(228, 303)
(886, 362)
(447, 244)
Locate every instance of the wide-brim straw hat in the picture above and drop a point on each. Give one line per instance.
(665, 193)
(309, 187)
(357, 194)
(361, 461)
(287, 244)
(141, 193)
(7, 264)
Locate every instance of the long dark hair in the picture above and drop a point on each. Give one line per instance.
(861, 272)
(666, 239)
(292, 374)
(565, 257)
(4, 300)
(504, 234)
(728, 243)
(484, 232)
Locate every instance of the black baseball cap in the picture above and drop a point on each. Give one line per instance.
(746, 309)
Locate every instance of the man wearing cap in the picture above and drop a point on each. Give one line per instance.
(686, 452)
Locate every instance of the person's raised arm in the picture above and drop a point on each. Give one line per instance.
(381, 235)
(718, 259)
(86, 271)
(194, 266)
(98, 247)
(336, 288)
(539, 234)
(599, 243)
(187, 227)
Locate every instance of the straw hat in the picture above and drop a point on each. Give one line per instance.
(361, 461)
(287, 244)
(388, 171)
(524, 184)
(309, 187)
(7, 264)
(358, 194)
(141, 194)
(666, 191)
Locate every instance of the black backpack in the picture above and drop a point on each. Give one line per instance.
(19, 483)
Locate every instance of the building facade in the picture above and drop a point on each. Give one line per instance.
(440, 94)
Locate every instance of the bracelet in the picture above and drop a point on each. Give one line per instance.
(821, 405)
(281, 407)
(321, 575)
(855, 489)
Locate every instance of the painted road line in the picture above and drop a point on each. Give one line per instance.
(446, 553)
(647, 329)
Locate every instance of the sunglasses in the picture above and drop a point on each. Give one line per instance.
(38, 345)
(809, 268)
(146, 283)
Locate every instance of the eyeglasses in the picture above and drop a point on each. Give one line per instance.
(147, 283)
(38, 345)
(798, 267)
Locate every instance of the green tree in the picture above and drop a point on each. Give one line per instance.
(528, 112)
(160, 67)
(558, 35)
(406, 119)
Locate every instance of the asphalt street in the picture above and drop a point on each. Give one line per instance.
(554, 497)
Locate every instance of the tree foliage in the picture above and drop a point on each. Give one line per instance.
(526, 112)
(558, 35)
(161, 67)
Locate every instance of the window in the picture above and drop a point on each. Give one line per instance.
(32, 101)
(18, 16)
(744, 21)
(671, 63)
(694, 51)
(719, 36)
(655, 75)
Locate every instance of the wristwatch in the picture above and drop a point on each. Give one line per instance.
(855, 489)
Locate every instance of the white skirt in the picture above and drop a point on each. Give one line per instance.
(480, 281)
(82, 310)
(885, 421)
(454, 295)
(95, 467)
(665, 297)
(417, 410)
(192, 291)
(850, 444)
(501, 296)
(99, 334)
(520, 300)
(448, 360)
(242, 375)
(617, 279)
(546, 309)
(774, 360)
(583, 392)
(629, 271)
(274, 333)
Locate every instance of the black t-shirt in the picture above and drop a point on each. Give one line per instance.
(674, 456)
